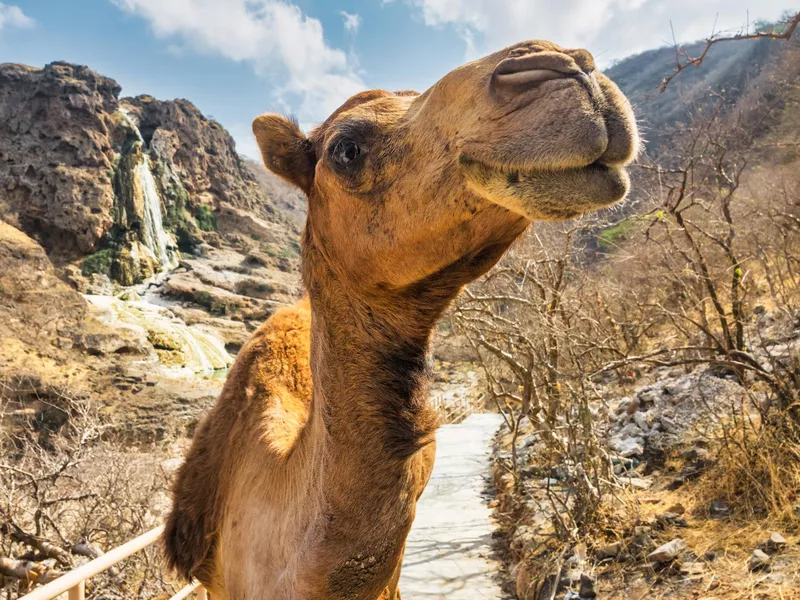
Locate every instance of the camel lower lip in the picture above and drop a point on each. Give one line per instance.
(552, 194)
(512, 171)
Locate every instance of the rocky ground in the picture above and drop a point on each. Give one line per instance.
(155, 355)
(671, 530)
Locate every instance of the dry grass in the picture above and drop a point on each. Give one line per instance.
(757, 474)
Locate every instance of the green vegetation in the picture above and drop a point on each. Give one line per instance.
(99, 262)
(177, 218)
(163, 341)
(203, 298)
(214, 306)
(288, 252)
(611, 238)
(255, 289)
(218, 308)
(206, 220)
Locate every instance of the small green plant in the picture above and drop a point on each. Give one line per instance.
(219, 309)
(288, 252)
(206, 220)
(99, 262)
(203, 298)
(178, 220)
(611, 238)
(445, 327)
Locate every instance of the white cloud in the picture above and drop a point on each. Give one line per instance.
(351, 22)
(272, 35)
(609, 28)
(12, 16)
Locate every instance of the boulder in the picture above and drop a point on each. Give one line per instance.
(668, 552)
(775, 543)
(608, 550)
(759, 561)
(627, 446)
(587, 587)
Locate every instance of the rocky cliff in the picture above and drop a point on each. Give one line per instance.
(57, 127)
(83, 171)
(139, 250)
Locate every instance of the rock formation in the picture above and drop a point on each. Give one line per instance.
(99, 193)
(57, 128)
(129, 181)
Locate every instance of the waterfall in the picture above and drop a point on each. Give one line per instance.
(178, 348)
(154, 237)
(199, 349)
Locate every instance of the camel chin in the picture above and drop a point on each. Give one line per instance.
(547, 194)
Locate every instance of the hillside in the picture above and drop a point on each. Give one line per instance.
(729, 69)
(286, 197)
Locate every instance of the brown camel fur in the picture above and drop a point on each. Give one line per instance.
(302, 482)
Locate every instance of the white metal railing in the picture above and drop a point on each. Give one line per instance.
(71, 585)
(455, 410)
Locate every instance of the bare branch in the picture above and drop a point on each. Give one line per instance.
(788, 28)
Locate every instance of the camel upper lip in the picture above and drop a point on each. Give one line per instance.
(531, 62)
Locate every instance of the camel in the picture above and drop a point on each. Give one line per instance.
(302, 482)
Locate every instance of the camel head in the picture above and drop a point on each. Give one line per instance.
(403, 186)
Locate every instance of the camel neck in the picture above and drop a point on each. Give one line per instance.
(369, 361)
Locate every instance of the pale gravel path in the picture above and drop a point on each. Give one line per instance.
(447, 553)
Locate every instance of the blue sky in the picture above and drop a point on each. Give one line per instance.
(238, 58)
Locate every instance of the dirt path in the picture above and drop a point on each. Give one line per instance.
(447, 553)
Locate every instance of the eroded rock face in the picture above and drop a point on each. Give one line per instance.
(202, 154)
(57, 129)
(35, 305)
(70, 151)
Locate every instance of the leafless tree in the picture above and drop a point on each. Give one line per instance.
(68, 490)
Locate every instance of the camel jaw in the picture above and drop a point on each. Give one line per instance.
(547, 194)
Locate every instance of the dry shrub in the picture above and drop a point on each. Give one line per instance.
(69, 491)
(539, 325)
(758, 452)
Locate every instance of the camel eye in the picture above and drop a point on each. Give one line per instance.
(345, 152)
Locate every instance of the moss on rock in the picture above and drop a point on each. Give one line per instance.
(163, 341)
(206, 219)
(99, 262)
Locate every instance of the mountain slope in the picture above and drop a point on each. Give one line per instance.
(286, 197)
(728, 70)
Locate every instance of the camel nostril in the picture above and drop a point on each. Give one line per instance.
(518, 73)
(584, 59)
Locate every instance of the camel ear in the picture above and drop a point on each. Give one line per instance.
(286, 151)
